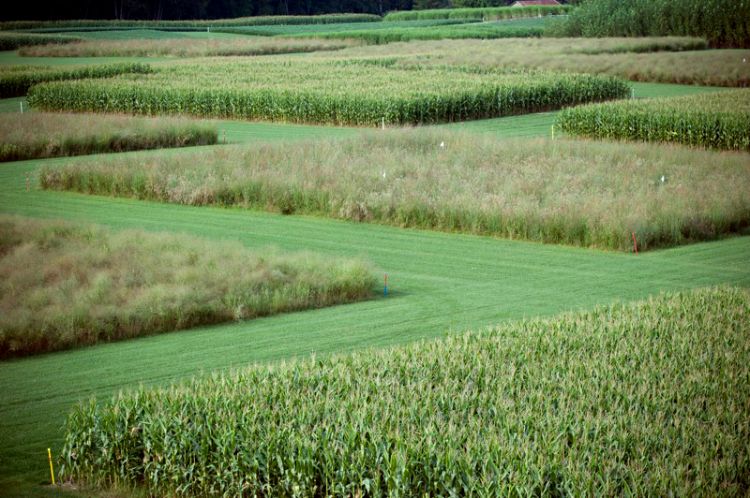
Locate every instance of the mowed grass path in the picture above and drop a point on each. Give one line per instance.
(439, 283)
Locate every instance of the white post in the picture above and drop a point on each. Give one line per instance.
(21, 102)
(382, 123)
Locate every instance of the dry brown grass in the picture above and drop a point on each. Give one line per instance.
(631, 58)
(64, 285)
(181, 47)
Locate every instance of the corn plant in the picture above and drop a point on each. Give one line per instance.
(646, 399)
(331, 92)
(718, 120)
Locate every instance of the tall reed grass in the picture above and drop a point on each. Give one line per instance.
(570, 192)
(483, 13)
(38, 135)
(64, 285)
(13, 41)
(645, 399)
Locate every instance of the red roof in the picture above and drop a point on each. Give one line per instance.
(530, 3)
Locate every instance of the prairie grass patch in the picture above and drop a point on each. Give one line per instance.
(648, 399)
(582, 193)
(39, 135)
(64, 285)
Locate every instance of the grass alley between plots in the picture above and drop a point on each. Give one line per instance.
(65, 285)
(39, 135)
(717, 120)
(570, 192)
(607, 402)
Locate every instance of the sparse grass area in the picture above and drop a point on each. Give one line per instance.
(63, 285)
(581, 404)
(327, 92)
(182, 47)
(637, 59)
(719, 120)
(37, 135)
(581, 193)
(15, 81)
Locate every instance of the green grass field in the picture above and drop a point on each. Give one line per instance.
(439, 283)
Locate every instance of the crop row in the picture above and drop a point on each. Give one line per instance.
(503, 29)
(646, 399)
(327, 92)
(717, 120)
(580, 193)
(483, 13)
(15, 82)
(238, 21)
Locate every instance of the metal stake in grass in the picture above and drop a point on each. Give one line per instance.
(635, 243)
(21, 102)
(385, 284)
(51, 469)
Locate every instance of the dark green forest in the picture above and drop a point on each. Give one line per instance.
(214, 9)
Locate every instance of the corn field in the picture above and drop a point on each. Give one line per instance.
(646, 399)
(483, 13)
(342, 93)
(717, 120)
(16, 81)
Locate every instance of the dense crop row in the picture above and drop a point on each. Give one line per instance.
(35, 135)
(725, 23)
(203, 23)
(648, 399)
(502, 29)
(717, 120)
(64, 285)
(327, 92)
(313, 29)
(15, 82)
(12, 41)
(578, 193)
(483, 13)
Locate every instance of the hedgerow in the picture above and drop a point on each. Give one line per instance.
(645, 399)
(717, 120)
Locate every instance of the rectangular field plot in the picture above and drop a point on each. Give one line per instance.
(583, 404)
(571, 192)
(333, 92)
(65, 285)
(716, 120)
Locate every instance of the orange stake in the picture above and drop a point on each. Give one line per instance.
(635, 243)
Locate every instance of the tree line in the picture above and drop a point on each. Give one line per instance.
(215, 9)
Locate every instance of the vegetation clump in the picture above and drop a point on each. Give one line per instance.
(713, 120)
(568, 192)
(64, 285)
(481, 13)
(13, 41)
(648, 399)
(38, 135)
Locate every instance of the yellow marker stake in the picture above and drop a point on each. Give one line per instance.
(553, 132)
(51, 470)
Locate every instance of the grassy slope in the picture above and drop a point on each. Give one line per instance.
(439, 281)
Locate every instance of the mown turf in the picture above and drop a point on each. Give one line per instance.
(438, 282)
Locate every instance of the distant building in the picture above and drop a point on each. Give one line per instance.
(532, 3)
